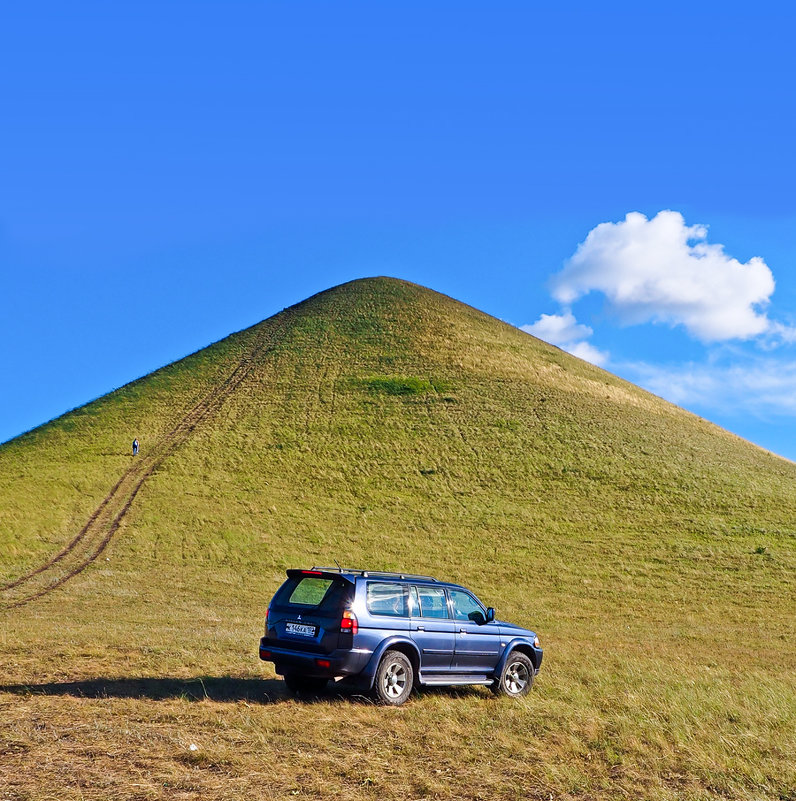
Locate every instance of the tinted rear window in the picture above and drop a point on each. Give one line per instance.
(313, 592)
(310, 591)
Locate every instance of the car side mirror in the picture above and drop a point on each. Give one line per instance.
(490, 614)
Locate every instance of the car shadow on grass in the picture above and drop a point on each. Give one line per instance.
(228, 689)
(224, 689)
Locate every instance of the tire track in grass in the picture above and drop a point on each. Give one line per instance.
(75, 542)
(98, 531)
(114, 492)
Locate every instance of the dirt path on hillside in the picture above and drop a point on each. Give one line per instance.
(98, 531)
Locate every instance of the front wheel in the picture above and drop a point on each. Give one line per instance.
(394, 679)
(516, 678)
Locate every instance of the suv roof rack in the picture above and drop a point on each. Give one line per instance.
(338, 569)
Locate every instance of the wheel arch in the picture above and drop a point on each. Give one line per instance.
(523, 647)
(406, 647)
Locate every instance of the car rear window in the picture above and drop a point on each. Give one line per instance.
(309, 591)
(313, 592)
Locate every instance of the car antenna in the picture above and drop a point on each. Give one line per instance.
(338, 565)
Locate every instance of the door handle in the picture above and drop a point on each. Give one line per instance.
(421, 628)
(462, 631)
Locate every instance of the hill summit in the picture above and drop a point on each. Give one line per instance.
(384, 425)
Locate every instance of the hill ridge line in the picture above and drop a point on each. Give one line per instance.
(98, 531)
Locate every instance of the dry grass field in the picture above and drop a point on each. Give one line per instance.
(387, 426)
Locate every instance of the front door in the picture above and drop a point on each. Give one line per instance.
(477, 647)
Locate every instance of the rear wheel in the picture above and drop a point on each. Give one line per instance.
(394, 679)
(516, 678)
(305, 685)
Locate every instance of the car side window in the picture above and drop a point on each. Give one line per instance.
(414, 602)
(432, 602)
(465, 607)
(385, 598)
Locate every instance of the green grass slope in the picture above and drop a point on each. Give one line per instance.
(387, 426)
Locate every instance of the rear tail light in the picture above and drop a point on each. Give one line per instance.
(266, 622)
(349, 622)
(323, 663)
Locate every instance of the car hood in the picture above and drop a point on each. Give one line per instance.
(513, 630)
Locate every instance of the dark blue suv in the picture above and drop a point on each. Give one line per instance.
(389, 632)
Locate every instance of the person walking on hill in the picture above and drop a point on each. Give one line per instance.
(135, 446)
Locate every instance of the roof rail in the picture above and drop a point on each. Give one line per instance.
(338, 569)
(399, 575)
(374, 573)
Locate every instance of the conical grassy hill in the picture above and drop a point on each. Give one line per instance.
(383, 425)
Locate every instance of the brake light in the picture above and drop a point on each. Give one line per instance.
(311, 573)
(349, 622)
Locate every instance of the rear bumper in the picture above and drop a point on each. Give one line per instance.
(341, 662)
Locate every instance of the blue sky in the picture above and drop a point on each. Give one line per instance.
(172, 172)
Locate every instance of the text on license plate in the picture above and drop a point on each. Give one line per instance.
(303, 629)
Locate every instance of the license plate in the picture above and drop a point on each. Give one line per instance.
(302, 629)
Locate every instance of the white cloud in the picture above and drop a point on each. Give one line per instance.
(759, 387)
(558, 328)
(662, 270)
(587, 352)
(567, 333)
(779, 334)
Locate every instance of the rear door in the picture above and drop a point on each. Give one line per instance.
(431, 627)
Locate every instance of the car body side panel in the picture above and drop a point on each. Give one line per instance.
(478, 647)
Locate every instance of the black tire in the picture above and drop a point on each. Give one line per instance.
(395, 678)
(516, 678)
(305, 685)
